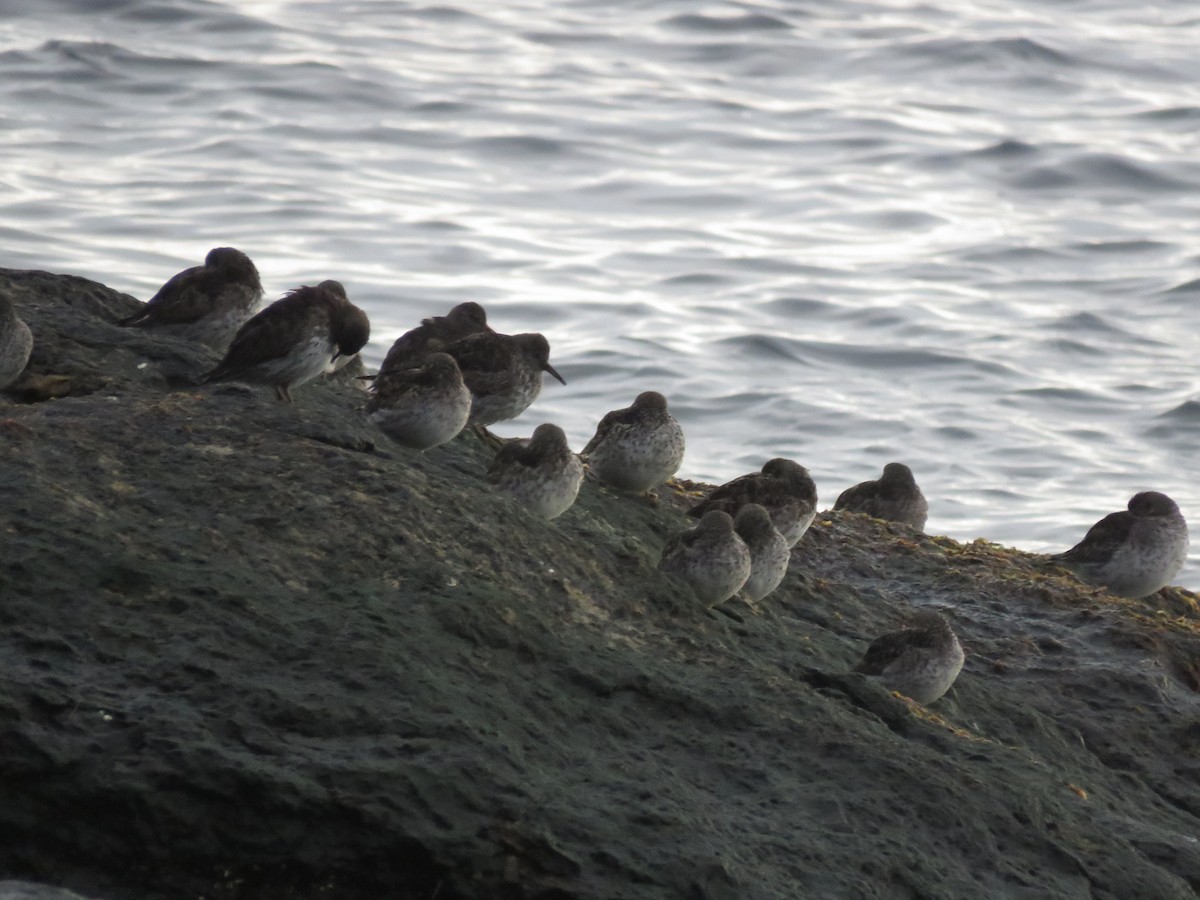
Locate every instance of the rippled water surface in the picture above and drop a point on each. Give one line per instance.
(962, 235)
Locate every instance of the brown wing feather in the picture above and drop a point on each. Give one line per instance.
(731, 496)
(512, 453)
(611, 419)
(391, 385)
(887, 648)
(269, 335)
(183, 299)
(858, 497)
(1097, 545)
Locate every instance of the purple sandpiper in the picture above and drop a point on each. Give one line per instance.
(207, 303)
(503, 372)
(16, 343)
(540, 472)
(636, 448)
(433, 334)
(783, 487)
(895, 497)
(295, 339)
(769, 551)
(1135, 552)
(710, 557)
(421, 407)
(920, 661)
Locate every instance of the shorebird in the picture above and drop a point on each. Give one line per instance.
(894, 497)
(503, 372)
(1135, 552)
(636, 448)
(207, 303)
(783, 487)
(710, 557)
(920, 661)
(295, 339)
(16, 342)
(433, 334)
(769, 551)
(421, 407)
(541, 472)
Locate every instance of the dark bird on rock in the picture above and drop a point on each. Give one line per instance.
(540, 472)
(421, 407)
(207, 303)
(1134, 552)
(920, 661)
(295, 339)
(784, 488)
(435, 333)
(710, 557)
(16, 342)
(503, 372)
(636, 448)
(895, 497)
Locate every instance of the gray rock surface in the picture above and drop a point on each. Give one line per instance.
(256, 650)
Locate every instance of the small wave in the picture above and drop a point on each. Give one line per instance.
(1006, 149)
(1188, 287)
(725, 24)
(1108, 248)
(1090, 323)
(1170, 114)
(1063, 346)
(696, 279)
(764, 347)
(892, 220)
(1076, 396)
(955, 51)
(899, 358)
(444, 108)
(1100, 172)
(444, 14)
(526, 145)
(439, 225)
(1179, 421)
(702, 200)
(956, 433)
(1014, 255)
(1186, 413)
(800, 307)
(563, 39)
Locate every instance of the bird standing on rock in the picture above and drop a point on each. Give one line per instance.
(541, 472)
(784, 488)
(421, 407)
(433, 334)
(207, 303)
(636, 448)
(920, 661)
(894, 497)
(503, 373)
(295, 339)
(710, 557)
(16, 343)
(769, 551)
(1134, 552)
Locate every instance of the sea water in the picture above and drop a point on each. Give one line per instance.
(961, 235)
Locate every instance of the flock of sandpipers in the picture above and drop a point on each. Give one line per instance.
(454, 372)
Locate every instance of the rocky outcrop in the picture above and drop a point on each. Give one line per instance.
(256, 650)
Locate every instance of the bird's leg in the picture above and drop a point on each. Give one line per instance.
(493, 441)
